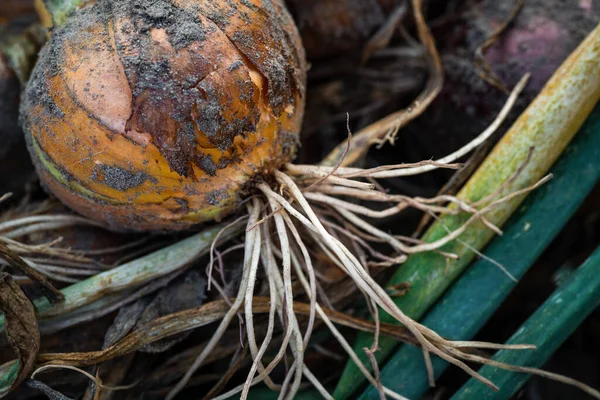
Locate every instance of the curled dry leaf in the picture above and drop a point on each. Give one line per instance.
(15, 261)
(21, 326)
(184, 293)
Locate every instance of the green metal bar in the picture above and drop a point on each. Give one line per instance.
(264, 393)
(479, 292)
(548, 125)
(547, 328)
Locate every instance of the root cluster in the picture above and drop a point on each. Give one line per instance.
(328, 210)
(304, 210)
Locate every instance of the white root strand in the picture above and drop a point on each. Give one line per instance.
(400, 170)
(226, 319)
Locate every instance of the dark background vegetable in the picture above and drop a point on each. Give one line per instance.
(332, 28)
(538, 40)
(20, 40)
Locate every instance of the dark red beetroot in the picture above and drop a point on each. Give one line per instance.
(543, 34)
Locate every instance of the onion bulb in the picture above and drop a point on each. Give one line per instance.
(159, 115)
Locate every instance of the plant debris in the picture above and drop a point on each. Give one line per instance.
(273, 289)
(21, 326)
(51, 293)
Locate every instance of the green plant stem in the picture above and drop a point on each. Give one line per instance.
(473, 299)
(547, 328)
(547, 126)
(60, 9)
(20, 51)
(131, 275)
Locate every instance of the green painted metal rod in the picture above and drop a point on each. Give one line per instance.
(548, 125)
(473, 299)
(547, 328)
(263, 393)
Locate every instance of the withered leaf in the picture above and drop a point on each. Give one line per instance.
(21, 325)
(183, 321)
(185, 292)
(125, 321)
(14, 260)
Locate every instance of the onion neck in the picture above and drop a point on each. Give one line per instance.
(55, 12)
